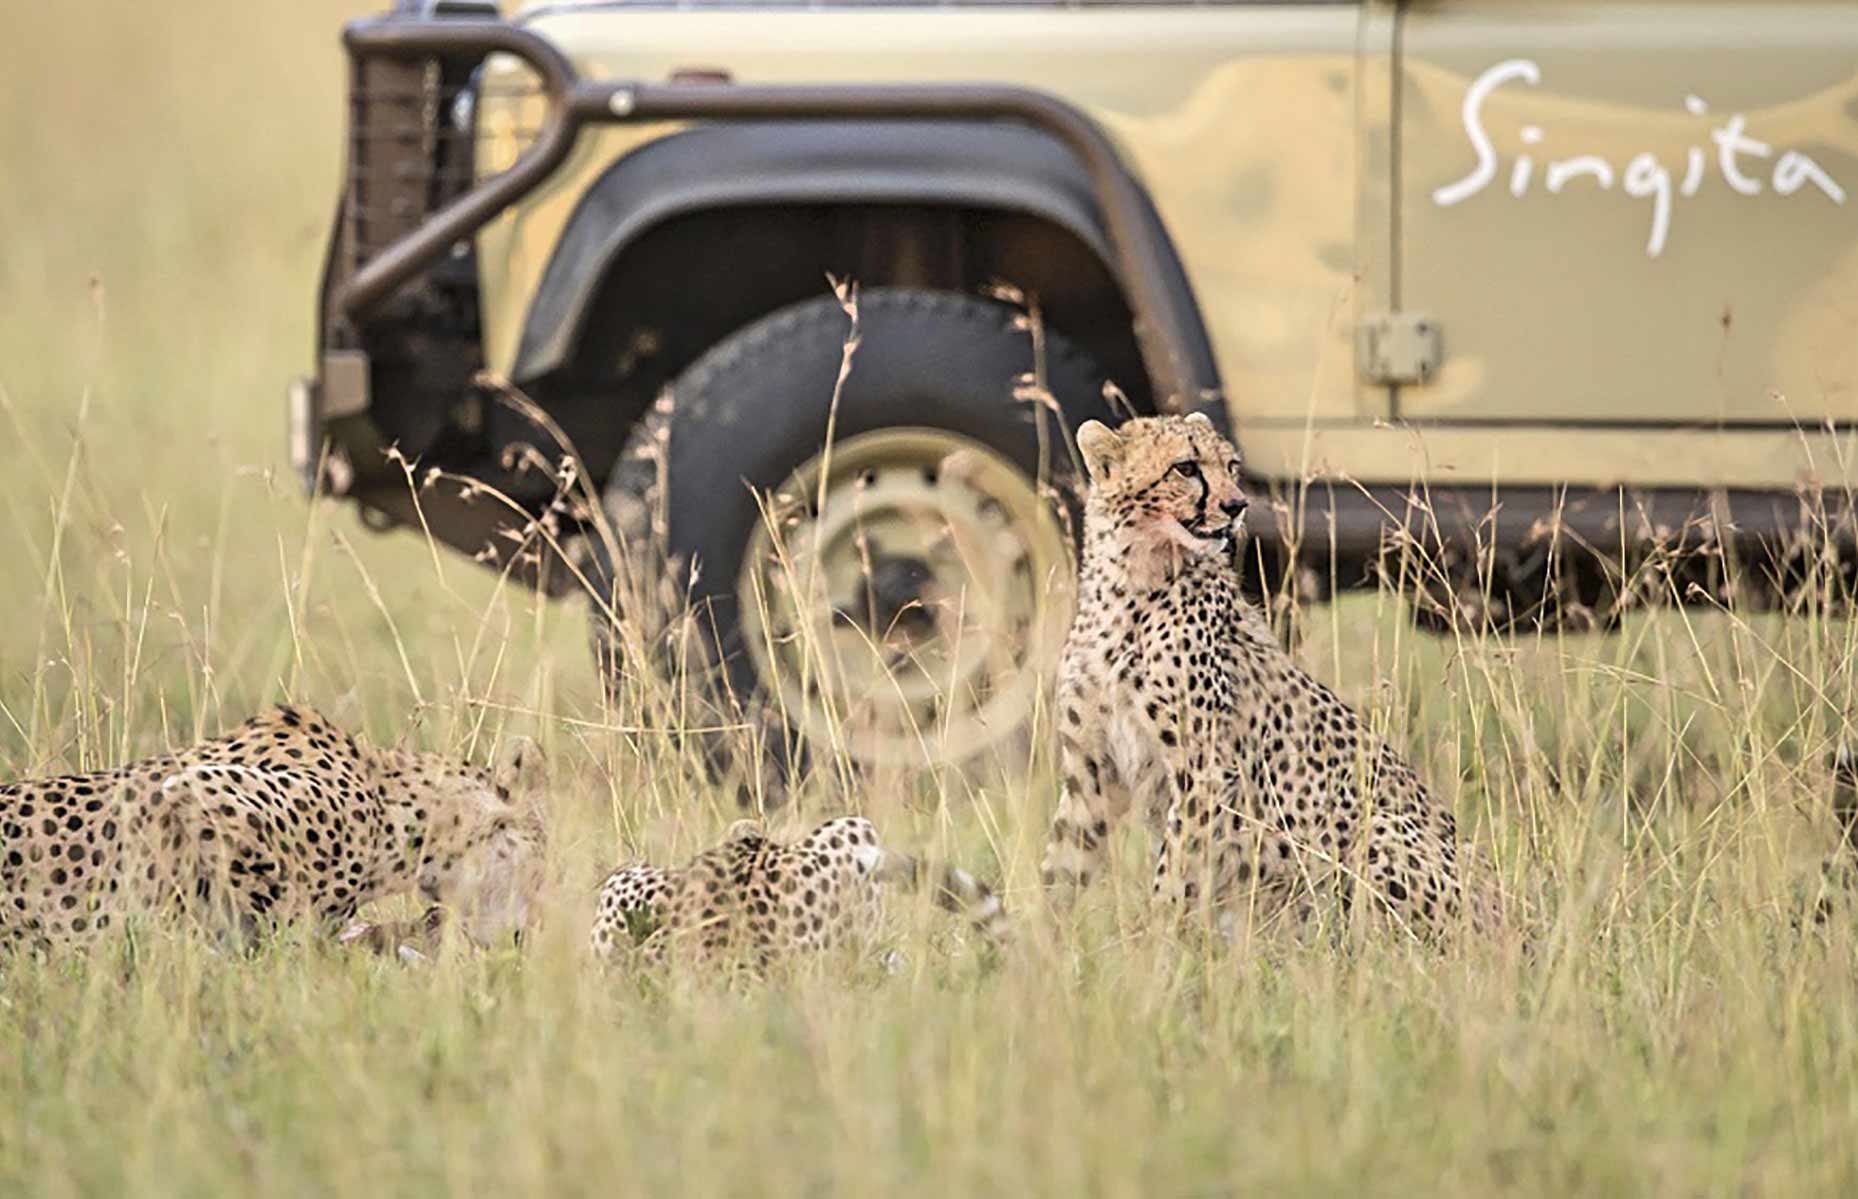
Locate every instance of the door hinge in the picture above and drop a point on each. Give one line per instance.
(1396, 348)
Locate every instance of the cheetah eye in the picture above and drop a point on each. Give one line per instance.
(1232, 468)
(1187, 469)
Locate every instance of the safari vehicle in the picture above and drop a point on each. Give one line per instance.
(1534, 287)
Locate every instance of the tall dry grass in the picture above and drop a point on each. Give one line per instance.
(1651, 1020)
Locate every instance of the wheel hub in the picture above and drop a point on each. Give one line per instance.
(906, 610)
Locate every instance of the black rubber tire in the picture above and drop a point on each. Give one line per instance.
(754, 409)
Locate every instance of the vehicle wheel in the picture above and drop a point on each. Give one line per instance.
(899, 597)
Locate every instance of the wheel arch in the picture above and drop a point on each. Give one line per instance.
(886, 170)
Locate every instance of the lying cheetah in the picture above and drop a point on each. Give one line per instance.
(757, 900)
(1262, 787)
(286, 816)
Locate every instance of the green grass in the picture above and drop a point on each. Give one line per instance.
(1648, 1021)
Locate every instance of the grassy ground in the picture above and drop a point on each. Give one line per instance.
(1651, 1023)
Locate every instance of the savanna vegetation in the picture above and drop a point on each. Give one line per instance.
(1651, 1017)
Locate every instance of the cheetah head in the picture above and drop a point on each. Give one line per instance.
(482, 854)
(1164, 480)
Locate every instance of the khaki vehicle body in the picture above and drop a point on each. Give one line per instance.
(1543, 289)
(1303, 195)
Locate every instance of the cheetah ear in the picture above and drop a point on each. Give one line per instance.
(519, 765)
(1199, 418)
(1101, 447)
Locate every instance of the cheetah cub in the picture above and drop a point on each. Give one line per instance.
(1262, 787)
(758, 901)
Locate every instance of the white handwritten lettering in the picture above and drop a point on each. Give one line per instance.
(1525, 165)
(1693, 172)
(1694, 160)
(1587, 164)
(1645, 177)
(1795, 168)
(1731, 142)
(1472, 114)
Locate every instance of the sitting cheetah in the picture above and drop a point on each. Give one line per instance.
(757, 900)
(1261, 786)
(285, 816)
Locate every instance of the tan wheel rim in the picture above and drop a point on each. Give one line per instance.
(909, 612)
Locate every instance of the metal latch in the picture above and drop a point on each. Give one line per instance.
(1398, 347)
(305, 430)
(344, 385)
(340, 391)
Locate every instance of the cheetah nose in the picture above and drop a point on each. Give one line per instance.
(1235, 506)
